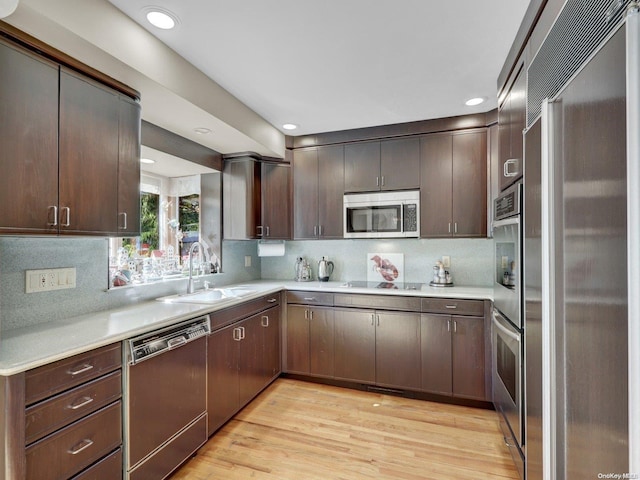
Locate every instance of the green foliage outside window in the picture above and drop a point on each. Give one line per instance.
(149, 212)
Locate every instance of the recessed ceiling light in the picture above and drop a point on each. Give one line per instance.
(147, 160)
(289, 126)
(202, 130)
(161, 18)
(474, 101)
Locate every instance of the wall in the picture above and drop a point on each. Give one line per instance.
(89, 256)
(471, 259)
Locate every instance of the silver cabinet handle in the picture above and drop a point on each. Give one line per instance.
(265, 321)
(449, 227)
(242, 333)
(306, 314)
(68, 212)
(310, 299)
(448, 325)
(505, 167)
(83, 445)
(377, 181)
(382, 181)
(84, 368)
(124, 214)
(455, 327)
(455, 227)
(81, 402)
(315, 230)
(268, 234)
(378, 316)
(450, 307)
(259, 230)
(55, 216)
(272, 300)
(319, 230)
(373, 319)
(237, 336)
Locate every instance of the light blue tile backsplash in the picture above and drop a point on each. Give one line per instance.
(471, 264)
(471, 259)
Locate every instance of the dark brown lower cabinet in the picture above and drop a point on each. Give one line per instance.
(398, 349)
(453, 355)
(355, 345)
(310, 333)
(242, 359)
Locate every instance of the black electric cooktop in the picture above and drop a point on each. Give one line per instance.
(385, 285)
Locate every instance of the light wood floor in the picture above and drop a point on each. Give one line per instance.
(297, 430)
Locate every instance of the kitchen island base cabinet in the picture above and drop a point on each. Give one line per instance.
(243, 358)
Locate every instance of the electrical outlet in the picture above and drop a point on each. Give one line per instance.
(247, 260)
(50, 279)
(505, 261)
(446, 261)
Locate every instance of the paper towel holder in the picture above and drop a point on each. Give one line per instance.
(271, 248)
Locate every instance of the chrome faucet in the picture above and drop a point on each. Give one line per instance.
(190, 287)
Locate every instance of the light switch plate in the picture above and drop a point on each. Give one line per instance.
(49, 279)
(446, 261)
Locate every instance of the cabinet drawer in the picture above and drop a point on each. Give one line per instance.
(453, 306)
(109, 467)
(68, 451)
(310, 298)
(56, 412)
(379, 302)
(57, 377)
(229, 315)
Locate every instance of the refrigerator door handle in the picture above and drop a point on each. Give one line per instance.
(633, 231)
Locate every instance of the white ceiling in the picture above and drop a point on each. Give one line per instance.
(329, 65)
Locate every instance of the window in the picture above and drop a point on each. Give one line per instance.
(169, 224)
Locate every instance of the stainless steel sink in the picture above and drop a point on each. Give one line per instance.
(211, 296)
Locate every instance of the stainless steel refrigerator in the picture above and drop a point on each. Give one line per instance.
(579, 325)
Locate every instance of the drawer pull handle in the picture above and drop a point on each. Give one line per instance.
(83, 445)
(85, 368)
(81, 402)
(272, 300)
(310, 299)
(451, 307)
(265, 321)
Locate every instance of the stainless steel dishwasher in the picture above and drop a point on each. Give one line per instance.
(165, 415)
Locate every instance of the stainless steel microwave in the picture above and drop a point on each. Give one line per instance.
(382, 215)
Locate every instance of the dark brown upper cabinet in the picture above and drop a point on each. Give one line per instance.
(511, 123)
(257, 199)
(61, 149)
(28, 142)
(382, 165)
(318, 189)
(453, 194)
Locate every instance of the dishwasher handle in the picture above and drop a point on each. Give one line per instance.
(176, 342)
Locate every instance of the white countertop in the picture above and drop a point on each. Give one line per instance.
(25, 348)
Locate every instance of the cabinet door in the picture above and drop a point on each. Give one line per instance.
(223, 350)
(251, 358)
(512, 120)
(362, 167)
(355, 345)
(28, 142)
(435, 191)
(305, 193)
(297, 339)
(241, 199)
(276, 201)
(321, 334)
(398, 350)
(435, 332)
(330, 191)
(88, 159)
(400, 164)
(270, 323)
(469, 204)
(129, 169)
(468, 357)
